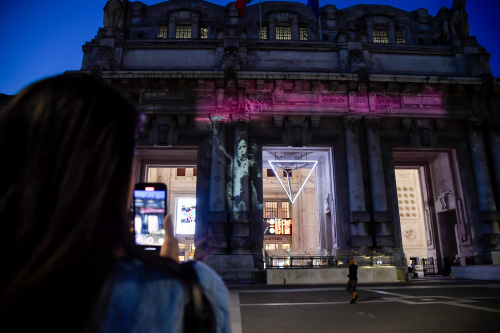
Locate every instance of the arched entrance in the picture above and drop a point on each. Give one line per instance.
(431, 211)
(298, 199)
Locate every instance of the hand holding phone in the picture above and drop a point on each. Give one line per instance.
(149, 214)
(170, 248)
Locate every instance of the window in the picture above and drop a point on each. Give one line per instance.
(195, 172)
(182, 252)
(303, 33)
(287, 173)
(204, 32)
(380, 36)
(283, 33)
(163, 33)
(270, 209)
(285, 209)
(400, 37)
(286, 246)
(191, 251)
(183, 31)
(277, 217)
(272, 246)
(181, 172)
(263, 33)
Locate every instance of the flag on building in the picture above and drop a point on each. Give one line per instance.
(314, 5)
(241, 5)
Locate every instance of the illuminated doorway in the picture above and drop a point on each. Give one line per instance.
(295, 196)
(432, 219)
(181, 202)
(177, 169)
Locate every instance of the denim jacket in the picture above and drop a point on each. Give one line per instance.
(145, 299)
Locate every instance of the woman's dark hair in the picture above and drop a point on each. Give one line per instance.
(67, 145)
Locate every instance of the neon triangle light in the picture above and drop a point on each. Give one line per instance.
(274, 165)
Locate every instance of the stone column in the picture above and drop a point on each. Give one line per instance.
(240, 217)
(359, 218)
(391, 33)
(295, 29)
(489, 215)
(494, 150)
(171, 28)
(195, 28)
(237, 261)
(408, 38)
(369, 31)
(271, 32)
(380, 215)
(217, 194)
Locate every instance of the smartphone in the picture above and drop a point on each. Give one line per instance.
(150, 202)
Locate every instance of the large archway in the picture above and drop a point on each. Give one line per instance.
(431, 213)
(298, 195)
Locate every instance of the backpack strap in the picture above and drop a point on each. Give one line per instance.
(199, 316)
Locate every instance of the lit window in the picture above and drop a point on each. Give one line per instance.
(303, 33)
(283, 33)
(286, 246)
(400, 37)
(380, 36)
(285, 209)
(263, 33)
(204, 32)
(183, 31)
(270, 209)
(182, 252)
(163, 33)
(272, 246)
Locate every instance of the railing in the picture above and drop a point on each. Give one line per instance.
(312, 261)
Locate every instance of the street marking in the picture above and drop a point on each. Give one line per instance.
(235, 312)
(306, 303)
(474, 307)
(253, 291)
(367, 314)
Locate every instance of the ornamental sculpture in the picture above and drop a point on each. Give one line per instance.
(113, 14)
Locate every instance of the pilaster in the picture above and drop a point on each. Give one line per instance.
(380, 215)
(359, 217)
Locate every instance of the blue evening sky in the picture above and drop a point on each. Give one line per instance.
(45, 37)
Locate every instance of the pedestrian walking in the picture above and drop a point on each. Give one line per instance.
(352, 284)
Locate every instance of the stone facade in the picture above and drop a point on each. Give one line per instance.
(378, 89)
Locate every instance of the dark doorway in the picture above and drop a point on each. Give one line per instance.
(447, 222)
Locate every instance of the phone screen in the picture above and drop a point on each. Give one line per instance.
(149, 214)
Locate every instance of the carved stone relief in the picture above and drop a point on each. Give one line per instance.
(255, 100)
(411, 213)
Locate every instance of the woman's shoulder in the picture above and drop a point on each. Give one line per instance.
(142, 298)
(212, 283)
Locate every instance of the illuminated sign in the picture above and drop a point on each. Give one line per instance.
(278, 227)
(185, 212)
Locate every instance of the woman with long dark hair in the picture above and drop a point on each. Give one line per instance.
(69, 262)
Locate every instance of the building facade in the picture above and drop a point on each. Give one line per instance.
(369, 130)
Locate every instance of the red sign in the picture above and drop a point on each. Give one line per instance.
(280, 226)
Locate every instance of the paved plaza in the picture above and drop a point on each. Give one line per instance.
(423, 305)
